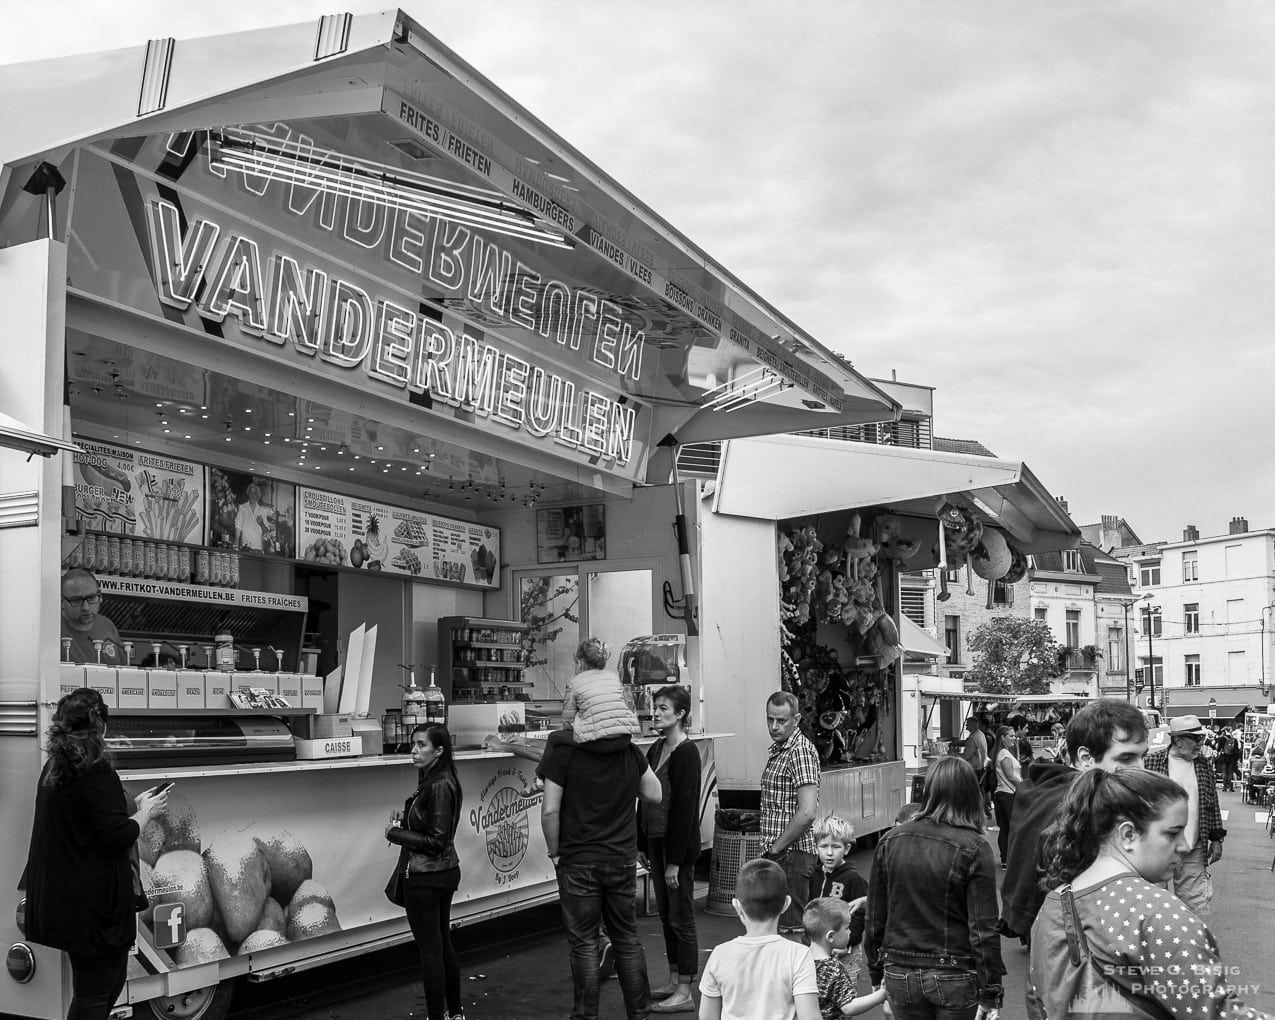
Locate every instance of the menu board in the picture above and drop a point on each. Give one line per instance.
(347, 531)
(131, 492)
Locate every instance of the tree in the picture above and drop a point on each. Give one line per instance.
(1013, 656)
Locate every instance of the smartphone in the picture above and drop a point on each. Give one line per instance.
(162, 787)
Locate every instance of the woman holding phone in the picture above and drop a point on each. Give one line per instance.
(79, 879)
(426, 829)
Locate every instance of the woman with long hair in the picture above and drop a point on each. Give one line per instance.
(79, 879)
(1008, 776)
(931, 927)
(668, 844)
(426, 830)
(1109, 939)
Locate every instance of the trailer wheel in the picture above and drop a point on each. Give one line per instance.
(211, 1003)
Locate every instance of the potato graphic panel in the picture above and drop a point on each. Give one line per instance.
(239, 876)
(272, 917)
(289, 861)
(201, 946)
(260, 940)
(176, 829)
(179, 877)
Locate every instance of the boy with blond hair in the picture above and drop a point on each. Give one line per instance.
(760, 973)
(827, 922)
(838, 878)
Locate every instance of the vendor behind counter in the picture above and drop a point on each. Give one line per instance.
(83, 623)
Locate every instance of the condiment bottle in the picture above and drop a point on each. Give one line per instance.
(225, 653)
(435, 702)
(414, 711)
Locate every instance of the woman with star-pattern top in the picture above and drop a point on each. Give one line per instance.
(1109, 942)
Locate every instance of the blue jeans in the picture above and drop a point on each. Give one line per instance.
(799, 867)
(589, 893)
(677, 911)
(931, 994)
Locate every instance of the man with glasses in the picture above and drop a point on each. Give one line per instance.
(83, 622)
(1182, 762)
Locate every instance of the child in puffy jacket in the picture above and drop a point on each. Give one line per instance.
(593, 707)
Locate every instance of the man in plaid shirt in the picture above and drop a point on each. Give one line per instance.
(1181, 761)
(789, 802)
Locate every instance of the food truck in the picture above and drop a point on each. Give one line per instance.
(823, 528)
(342, 373)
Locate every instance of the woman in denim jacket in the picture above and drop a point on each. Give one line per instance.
(931, 928)
(426, 829)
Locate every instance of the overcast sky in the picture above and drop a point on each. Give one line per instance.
(1059, 215)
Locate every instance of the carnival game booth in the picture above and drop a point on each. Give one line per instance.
(822, 529)
(361, 366)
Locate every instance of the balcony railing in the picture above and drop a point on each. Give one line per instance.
(1077, 659)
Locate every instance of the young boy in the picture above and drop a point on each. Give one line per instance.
(840, 880)
(827, 922)
(760, 973)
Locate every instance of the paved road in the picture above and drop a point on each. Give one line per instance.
(515, 968)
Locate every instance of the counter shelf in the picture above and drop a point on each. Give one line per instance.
(320, 765)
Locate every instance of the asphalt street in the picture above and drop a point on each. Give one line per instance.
(515, 968)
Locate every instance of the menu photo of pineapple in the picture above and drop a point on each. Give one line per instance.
(372, 549)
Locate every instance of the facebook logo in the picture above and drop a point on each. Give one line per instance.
(170, 925)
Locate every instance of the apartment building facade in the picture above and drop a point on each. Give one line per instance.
(1203, 622)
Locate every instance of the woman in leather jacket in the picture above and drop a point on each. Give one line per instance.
(426, 830)
(931, 927)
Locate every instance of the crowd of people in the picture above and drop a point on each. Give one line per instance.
(1104, 833)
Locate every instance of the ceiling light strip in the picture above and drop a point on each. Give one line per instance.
(379, 184)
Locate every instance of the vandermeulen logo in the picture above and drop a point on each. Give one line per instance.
(501, 820)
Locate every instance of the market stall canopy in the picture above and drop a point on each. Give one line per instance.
(914, 639)
(313, 184)
(787, 477)
(972, 696)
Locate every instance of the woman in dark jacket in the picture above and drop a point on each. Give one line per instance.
(79, 876)
(426, 830)
(931, 928)
(668, 845)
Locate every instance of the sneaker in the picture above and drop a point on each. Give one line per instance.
(606, 962)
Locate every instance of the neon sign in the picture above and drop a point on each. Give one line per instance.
(277, 299)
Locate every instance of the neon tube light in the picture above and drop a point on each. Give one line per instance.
(380, 184)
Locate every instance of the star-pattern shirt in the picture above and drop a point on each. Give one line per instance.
(835, 989)
(1153, 952)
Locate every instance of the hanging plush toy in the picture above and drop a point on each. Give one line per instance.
(889, 532)
(857, 549)
(991, 560)
(962, 531)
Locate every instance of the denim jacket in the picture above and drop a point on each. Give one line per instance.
(932, 905)
(430, 819)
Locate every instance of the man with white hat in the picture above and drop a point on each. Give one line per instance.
(1181, 761)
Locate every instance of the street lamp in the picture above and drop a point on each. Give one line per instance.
(1128, 653)
(1261, 680)
(1149, 610)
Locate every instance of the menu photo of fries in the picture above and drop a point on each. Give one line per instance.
(166, 509)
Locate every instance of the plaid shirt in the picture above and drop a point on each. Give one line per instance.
(1210, 814)
(791, 764)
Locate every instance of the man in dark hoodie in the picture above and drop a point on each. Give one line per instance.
(1106, 734)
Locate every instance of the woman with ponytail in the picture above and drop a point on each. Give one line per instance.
(1109, 940)
(79, 875)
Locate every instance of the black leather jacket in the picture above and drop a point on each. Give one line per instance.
(430, 817)
(932, 904)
